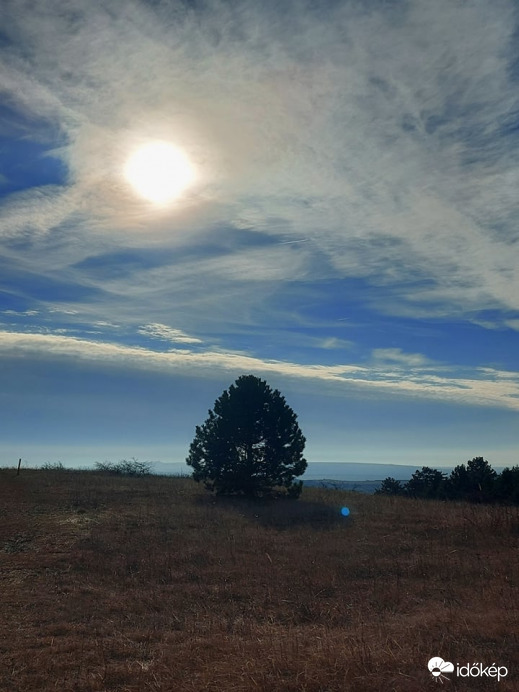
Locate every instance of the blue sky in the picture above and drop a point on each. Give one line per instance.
(350, 234)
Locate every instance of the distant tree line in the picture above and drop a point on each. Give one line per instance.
(475, 481)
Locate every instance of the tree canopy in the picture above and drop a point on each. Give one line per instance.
(426, 483)
(390, 486)
(475, 481)
(250, 443)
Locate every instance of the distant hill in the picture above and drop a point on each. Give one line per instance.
(359, 477)
(333, 471)
(356, 486)
(364, 478)
(346, 471)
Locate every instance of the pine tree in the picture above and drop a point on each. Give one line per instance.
(390, 486)
(474, 482)
(250, 443)
(507, 485)
(427, 483)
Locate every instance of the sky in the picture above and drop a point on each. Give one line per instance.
(350, 232)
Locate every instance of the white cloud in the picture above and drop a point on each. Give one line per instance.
(513, 324)
(103, 323)
(33, 213)
(332, 343)
(64, 311)
(23, 313)
(389, 156)
(480, 387)
(162, 331)
(396, 355)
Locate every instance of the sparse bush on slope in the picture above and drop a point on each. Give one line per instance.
(125, 467)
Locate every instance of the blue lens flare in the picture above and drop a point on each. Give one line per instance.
(345, 511)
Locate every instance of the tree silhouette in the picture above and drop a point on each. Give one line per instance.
(426, 483)
(458, 483)
(507, 485)
(475, 482)
(390, 486)
(250, 443)
(482, 480)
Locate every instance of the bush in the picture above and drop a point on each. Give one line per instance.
(125, 468)
(52, 466)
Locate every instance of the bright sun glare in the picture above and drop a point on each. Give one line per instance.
(159, 172)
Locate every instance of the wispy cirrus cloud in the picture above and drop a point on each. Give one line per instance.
(16, 313)
(394, 159)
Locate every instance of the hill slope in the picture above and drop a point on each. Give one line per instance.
(113, 583)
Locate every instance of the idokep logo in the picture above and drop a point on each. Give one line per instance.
(478, 670)
(438, 667)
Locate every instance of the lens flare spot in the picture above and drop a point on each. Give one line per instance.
(345, 512)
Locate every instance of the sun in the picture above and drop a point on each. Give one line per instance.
(159, 172)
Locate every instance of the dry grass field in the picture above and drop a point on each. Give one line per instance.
(152, 584)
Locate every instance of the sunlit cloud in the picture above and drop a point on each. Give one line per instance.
(162, 331)
(483, 386)
(352, 224)
(396, 355)
(390, 164)
(332, 343)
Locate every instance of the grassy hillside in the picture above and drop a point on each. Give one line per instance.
(111, 583)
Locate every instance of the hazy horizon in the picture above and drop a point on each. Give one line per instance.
(339, 471)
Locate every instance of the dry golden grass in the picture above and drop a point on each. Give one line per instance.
(131, 584)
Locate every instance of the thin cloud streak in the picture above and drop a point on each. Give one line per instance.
(395, 355)
(162, 331)
(486, 387)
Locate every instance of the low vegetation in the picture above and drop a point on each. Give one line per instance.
(116, 582)
(131, 467)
